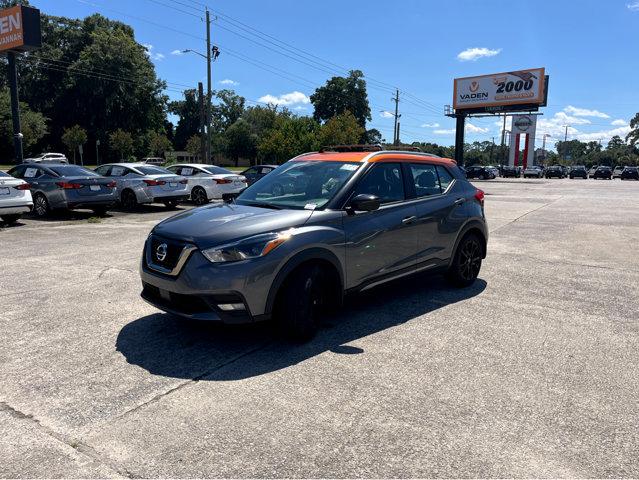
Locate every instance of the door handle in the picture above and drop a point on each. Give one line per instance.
(409, 220)
(459, 201)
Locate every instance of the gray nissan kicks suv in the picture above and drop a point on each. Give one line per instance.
(318, 227)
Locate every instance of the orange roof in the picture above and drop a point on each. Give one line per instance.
(374, 157)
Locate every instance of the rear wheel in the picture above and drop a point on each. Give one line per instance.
(128, 200)
(11, 219)
(467, 261)
(40, 205)
(301, 303)
(199, 197)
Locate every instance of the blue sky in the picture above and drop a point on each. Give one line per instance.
(589, 49)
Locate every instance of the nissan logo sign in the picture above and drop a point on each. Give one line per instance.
(160, 252)
(523, 123)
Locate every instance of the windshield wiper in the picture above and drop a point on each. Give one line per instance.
(264, 205)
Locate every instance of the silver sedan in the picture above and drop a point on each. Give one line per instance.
(139, 183)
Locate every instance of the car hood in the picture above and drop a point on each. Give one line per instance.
(216, 224)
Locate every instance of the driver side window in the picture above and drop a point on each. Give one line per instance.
(384, 181)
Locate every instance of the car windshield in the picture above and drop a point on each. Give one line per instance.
(299, 185)
(216, 170)
(151, 170)
(73, 171)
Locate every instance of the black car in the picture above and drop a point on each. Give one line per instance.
(578, 172)
(630, 173)
(508, 171)
(555, 171)
(603, 172)
(482, 173)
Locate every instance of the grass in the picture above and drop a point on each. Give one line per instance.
(94, 220)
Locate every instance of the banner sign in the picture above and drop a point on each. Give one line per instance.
(20, 29)
(523, 87)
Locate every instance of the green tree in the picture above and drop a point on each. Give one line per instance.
(240, 141)
(189, 123)
(122, 143)
(73, 137)
(229, 109)
(34, 126)
(158, 143)
(341, 94)
(343, 129)
(633, 136)
(193, 145)
(290, 136)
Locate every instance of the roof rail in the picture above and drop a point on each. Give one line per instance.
(351, 148)
(405, 148)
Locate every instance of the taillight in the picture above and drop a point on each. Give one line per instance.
(111, 185)
(23, 186)
(68, 185)
(184, 182)
(222, 181)
(154, 183)
(479, 196)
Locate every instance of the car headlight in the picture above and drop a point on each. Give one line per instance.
(247, 248)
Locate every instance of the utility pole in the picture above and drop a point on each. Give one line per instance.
(203, 134)
(502, 160)
(209, 93)
(15, 107)
(397, 116)
(97, 152)
(565, 140)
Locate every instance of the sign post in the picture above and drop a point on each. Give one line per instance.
(19, 32)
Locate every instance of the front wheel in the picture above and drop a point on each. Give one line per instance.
(128, 200)
(199, 197)
(300, 304)
(467, 261)
(11, 219)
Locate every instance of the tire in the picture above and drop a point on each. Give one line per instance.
(128, 200)
(99, 211)
(170, 203)
(467, 261)
(301, 303)
(41, 205)
(11, 219)
(199, 197)
(482, 177)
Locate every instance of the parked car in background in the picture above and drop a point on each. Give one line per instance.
(534, 172)
(630, 173)
(480, 172)
(48, 158)
(509, 171)
(555, 171)
(592, 170)
(603, 172)
(154, 161)
(495, 170)
(253, 174)
(350, 222)
(139, 183)
(15, 198)
(57, 186)
(616, 172)
(578, 171)
(208, 182)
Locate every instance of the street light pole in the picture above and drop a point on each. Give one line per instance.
(15, 108)
(209, 93)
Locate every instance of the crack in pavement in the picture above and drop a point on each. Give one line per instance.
(525, 214)
(75, 444)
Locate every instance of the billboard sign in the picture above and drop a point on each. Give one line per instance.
(20, 29)
(501, 91)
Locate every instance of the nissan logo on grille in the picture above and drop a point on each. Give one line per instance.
(160, 252)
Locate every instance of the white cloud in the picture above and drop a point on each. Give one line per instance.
(228, 81)
(177, 52)
(444, 132)
(152, 55)
(604, 135)
(386, 114)
(584, 112)
(300, 108)
(473, 54)
(292, 98)
(470, 128)
(634, 6)
(619, 123)
(430, 125)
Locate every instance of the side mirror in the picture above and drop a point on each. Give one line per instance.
(365, 203)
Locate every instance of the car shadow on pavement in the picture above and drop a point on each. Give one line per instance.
(168, 346)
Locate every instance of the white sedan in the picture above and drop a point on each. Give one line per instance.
(208, 182)
(15, 198)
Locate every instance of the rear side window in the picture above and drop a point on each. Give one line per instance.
(426, 180)
(385, 181)
(445, 178)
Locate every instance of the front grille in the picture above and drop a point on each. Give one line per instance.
(165, 253)
(187, 304)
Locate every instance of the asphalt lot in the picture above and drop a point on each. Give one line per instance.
(534, 371)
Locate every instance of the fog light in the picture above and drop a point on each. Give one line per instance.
(229, 307)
